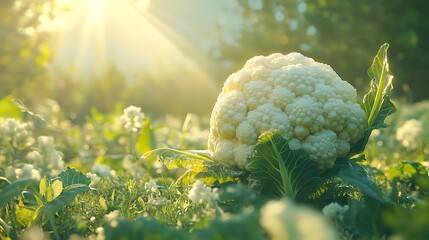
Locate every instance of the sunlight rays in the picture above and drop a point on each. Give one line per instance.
(105, 33)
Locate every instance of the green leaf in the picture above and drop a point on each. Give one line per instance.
(3, 226)
(15, 189)
(145, 140)
(37, 119)
(9, 109)
(406, 171)
(65, 198)
(55, 190)
(376, 103)
(211, 173)
(3, 182)
(24, 215)
(63, 189)
(381, 85)
(169, 154)
(71, 176)
(216, 172)
(103, 203)
(198, 165)
(173, 159)
(363, 182)
(43, 187)
(280, 171)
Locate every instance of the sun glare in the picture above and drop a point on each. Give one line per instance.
(95, 11)
(143, 4)
(124, 34)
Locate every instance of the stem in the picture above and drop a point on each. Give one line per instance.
(283, 172)
(5, 227)
(54, 227)
(132, 144)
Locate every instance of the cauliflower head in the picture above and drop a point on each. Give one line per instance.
(303, 100)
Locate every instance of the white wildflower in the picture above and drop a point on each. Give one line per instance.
(284, 220)
(158, 202)
(151, 186)
(335, 211)
(46, 157)
(16, 131)
(34, 157)
(103, 170)
(23, 171)
(410, 134)
(132, 119)
(112, 218)
(201, 194)
(33, 233)
(27, 171)
(100, 233)
(94, 178)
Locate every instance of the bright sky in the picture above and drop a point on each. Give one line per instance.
(140, 35)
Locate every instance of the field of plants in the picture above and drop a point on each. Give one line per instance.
(128, 175)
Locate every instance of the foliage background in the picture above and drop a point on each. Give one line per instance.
(343, 34)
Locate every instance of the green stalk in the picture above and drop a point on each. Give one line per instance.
(285, 180)
(5, 227)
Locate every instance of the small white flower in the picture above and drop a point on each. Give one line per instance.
(27, 171)
(151, 186)
(132, 119)
(34, 157)
(15, 130)
(158, 202)
(24, 171)
(103, 170)
(94, 178)
(201, 194)
(33, 233)
(46, 156)
(335, 211)
(112, 218)
(100, 233)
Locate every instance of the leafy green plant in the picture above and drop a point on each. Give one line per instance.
(38, 203)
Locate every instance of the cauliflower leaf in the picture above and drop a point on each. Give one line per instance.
(376, 103)
(197, 164)
(278, 170)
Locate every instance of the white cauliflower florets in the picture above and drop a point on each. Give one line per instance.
(305, 101)
(282, 219)
(411, 134)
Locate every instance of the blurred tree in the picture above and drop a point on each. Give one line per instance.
(344, 34)
(23, 52)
